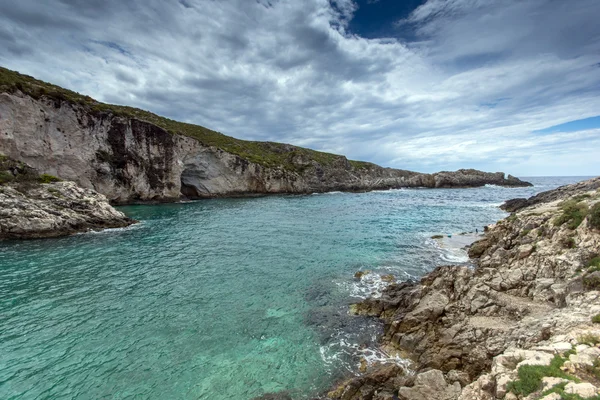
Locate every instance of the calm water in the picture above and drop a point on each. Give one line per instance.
(218, 299)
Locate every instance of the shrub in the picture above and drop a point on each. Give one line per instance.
(594, 217)
(530, 376)
(594, 264)
(569, 243)
(47, 178)
(589, 339)
(6, 177)
(573, 213)
(592, 280)
(596, 319)
(525, 232)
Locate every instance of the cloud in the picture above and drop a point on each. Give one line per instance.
(479, 78)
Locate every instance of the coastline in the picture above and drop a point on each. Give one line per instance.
(531, 295)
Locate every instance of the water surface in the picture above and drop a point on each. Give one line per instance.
(218, 299)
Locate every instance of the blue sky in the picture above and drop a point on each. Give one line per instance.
(425, 85)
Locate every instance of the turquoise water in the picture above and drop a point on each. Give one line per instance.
(218, 299)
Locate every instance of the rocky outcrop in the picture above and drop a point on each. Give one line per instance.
(551, 195)
(34, 206)
(129, 159)
(533, 281)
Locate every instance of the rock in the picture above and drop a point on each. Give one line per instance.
(430, 307)
(585, 389)
(549, 382)
(502, 382)
(537, 358)
(478, 248)
(525, 251)
(430, 385)
(458, 376)
(380, 380)
(551, 396)
(54, 209)
(360, 274)
(581, 360)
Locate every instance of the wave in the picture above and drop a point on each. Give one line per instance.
(326, 193)
(132, 227)
(353, 356)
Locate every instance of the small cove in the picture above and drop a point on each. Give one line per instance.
(219, 299)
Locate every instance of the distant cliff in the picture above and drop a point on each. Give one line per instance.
(130, 155)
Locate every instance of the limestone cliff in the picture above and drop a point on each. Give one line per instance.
(131, 155)
(528, 311)
(39, 206)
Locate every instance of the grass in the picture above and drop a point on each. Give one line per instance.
(573, 213)
(589, 339)
(591, 281)
(268, 154)
(594, 264)
(530, 376)
(594, 217)
(596, 319)
(47, 178)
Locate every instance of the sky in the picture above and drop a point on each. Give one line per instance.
(425, 85)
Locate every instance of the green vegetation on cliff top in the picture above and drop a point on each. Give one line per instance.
(269, 154)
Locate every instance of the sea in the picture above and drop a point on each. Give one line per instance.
(225, 298)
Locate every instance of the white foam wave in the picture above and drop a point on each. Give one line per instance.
(137, 225)
(449, 253)
(370, 285)
(387, 190)
(326, 193)
(341, 350)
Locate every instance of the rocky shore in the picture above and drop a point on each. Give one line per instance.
(40, 206)
(523, 323)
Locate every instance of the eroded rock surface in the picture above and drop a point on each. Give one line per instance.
(31, 209)
(533, 282)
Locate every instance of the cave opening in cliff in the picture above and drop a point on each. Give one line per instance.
(191, 188)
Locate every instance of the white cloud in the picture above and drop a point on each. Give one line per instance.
(481, 76)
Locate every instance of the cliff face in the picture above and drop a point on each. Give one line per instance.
(129, 160)
(533, 299)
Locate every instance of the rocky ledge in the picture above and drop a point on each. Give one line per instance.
(39, 206)
(524, 323)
